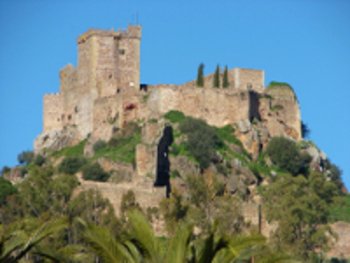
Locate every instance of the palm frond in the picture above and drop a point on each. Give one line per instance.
(179, 245)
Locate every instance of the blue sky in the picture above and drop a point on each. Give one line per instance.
(303, 42)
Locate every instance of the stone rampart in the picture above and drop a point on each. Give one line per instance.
(53, 112)
(218, 107)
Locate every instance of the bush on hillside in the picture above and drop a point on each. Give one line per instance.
(5, 170)
(95, 172)
(71, 165)
(175, 116)
(6, 189)
(39, 160)
(25, 157)
(202, 140)
(285, 154)
(100, 144)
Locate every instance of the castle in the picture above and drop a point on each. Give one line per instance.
(103, 93)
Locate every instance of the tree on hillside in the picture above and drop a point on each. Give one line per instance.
(285, 154)
(202, 140)
(200, 76)
(225, 81)
(6, 189)
(25, 157)
(300, 205)
(216, 80)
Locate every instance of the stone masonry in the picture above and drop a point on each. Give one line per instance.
(103, 93)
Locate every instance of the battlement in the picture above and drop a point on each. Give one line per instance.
(131, 32)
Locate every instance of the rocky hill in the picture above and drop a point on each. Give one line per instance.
(222, 153)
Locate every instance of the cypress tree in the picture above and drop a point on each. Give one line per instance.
(225, 81)
(200, 75)
(216, 80)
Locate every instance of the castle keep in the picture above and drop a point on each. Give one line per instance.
(103, 93)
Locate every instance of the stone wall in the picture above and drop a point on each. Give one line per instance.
(250, 79)
(53, 112)
(218, 107)
(106, 117)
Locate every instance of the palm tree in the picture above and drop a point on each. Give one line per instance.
(142, 245)
(16, 244)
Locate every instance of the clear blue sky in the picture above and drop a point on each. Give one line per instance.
(303, 42)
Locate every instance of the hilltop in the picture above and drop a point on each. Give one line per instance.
(222, 153)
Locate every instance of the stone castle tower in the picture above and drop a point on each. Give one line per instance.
(103, 93)
(108, 65)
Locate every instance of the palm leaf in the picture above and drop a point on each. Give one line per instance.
(19, 243)
(179, 245)
(143, 237)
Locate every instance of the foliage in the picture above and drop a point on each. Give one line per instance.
(174, 116)
(174, 210)
(285, 154)
(92, 208)
(72, 151)
(225, 81)
(39, 160)
(25, 157)
(16, 244)
(5, 170)
(94, 172)
(99, 145)
(300, 206)
(278, 83)
(202, 140)
(305, 131)
(40, 193)
(334, 173)
(216, 79)
(6, 189)
(200, 76)
(128, 202)
(340, 210)
(71, 165)
(121, 147)
(226, 133)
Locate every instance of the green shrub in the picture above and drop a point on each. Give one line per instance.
(94, 172)
(39, 160)
(71, 165)
(285, 154)
(340, 210)
(25, 157)
(5, 170)
(175, 116)
(202, 140)
(6, 189)
(278, 83)
(100, 144)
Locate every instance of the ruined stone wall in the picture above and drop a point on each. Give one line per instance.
(251, 79)
(106, 117)
(218, 107)
(53, 112)
(279, 111)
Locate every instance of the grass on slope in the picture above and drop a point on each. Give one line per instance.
(72, 151)
(122, 149)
